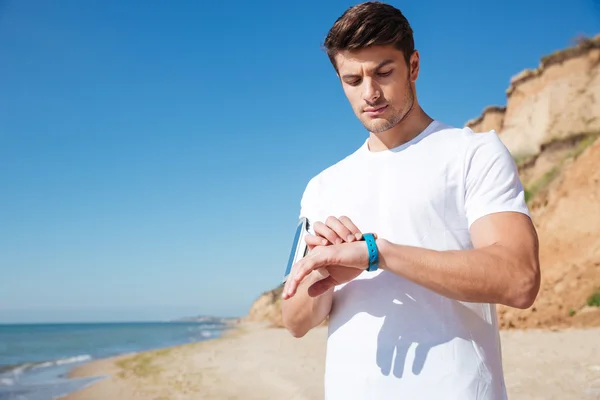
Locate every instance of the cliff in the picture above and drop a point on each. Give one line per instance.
(550, 124)
(568, 223)
(267, 308)
(557, 100)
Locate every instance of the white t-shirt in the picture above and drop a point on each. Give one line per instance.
(390, 338)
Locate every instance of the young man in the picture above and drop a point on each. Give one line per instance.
(415, 236)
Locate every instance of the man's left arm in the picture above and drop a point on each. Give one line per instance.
(502, 268)
(503, 265)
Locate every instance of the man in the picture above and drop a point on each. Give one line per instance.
(412, 309)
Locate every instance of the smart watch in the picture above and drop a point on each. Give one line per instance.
(373, 252)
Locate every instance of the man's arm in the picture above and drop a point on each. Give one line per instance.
(502, 268)
(303, 312)
(307, 311)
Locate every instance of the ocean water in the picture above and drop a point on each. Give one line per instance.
(35, 359)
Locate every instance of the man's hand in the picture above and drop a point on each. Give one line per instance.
(338, 264)
(334, 231)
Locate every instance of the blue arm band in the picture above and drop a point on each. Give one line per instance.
(373, 252)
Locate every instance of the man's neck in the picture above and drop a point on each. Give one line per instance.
(405, 131)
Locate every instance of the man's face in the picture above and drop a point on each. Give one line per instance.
(378, 84)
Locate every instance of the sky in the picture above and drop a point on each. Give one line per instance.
(153, 154)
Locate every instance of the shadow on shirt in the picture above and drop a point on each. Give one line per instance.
(413, 315)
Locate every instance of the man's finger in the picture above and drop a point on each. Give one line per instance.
(312, 241)
(318, 273)
(340, 229)
(354, 231)
(359, 236)
(324, 231)
(305, 267)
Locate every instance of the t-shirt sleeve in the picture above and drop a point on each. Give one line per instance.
(309, 204)
(492, 182)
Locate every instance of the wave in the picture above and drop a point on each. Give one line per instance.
(15, 370)
(202, 327)
(6, 382)
(63, 361)
(9, 374)
(214, 320)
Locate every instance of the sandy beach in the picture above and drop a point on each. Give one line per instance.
(261, 363)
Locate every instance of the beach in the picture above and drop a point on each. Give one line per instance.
(255, 362)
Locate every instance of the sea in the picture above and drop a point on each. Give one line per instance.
(35, 359)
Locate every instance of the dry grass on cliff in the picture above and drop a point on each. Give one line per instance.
(537, 173)
(583, 44)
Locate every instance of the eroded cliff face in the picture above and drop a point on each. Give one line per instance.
(559, 99)
(551, 125)
(492, 118)
(567, 217)
(267, 308)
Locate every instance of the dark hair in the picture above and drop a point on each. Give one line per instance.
(370, 24)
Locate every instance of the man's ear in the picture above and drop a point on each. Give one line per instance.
(414, 64)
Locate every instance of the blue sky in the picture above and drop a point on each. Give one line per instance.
(152, 156)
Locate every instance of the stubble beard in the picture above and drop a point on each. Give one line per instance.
(395, 116)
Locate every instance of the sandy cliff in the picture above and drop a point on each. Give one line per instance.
(550, 124)
(567, 216)
(557, 100)
(267, 308)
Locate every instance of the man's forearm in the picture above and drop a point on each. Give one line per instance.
(303, 312)
(488, 275)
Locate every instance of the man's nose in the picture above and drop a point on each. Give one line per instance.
(371, 91)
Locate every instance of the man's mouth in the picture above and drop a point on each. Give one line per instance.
(371, 111)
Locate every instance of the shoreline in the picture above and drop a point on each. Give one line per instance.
(253, 362)
(48, 370)
(81, 371)
(139, 365)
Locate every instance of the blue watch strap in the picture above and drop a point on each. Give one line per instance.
(373, 252)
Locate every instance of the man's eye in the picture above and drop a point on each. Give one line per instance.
(354, 82)
(387, 73)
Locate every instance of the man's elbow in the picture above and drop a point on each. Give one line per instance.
(295, 330)
(526, 288)
(293, 326)
(297, 333)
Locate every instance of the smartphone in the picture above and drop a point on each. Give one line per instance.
(299, 248)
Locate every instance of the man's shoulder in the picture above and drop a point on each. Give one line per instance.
(338, 169)
(466, 143)
(464, 137)
(325, 180)
(472, 138)
(484, 146)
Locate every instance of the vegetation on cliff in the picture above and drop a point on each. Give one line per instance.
(583, 45)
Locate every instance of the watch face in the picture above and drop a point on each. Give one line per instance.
(299, 247)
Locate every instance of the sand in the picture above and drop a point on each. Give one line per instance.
(260, 363)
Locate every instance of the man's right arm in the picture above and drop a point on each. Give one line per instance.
(303, 312)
